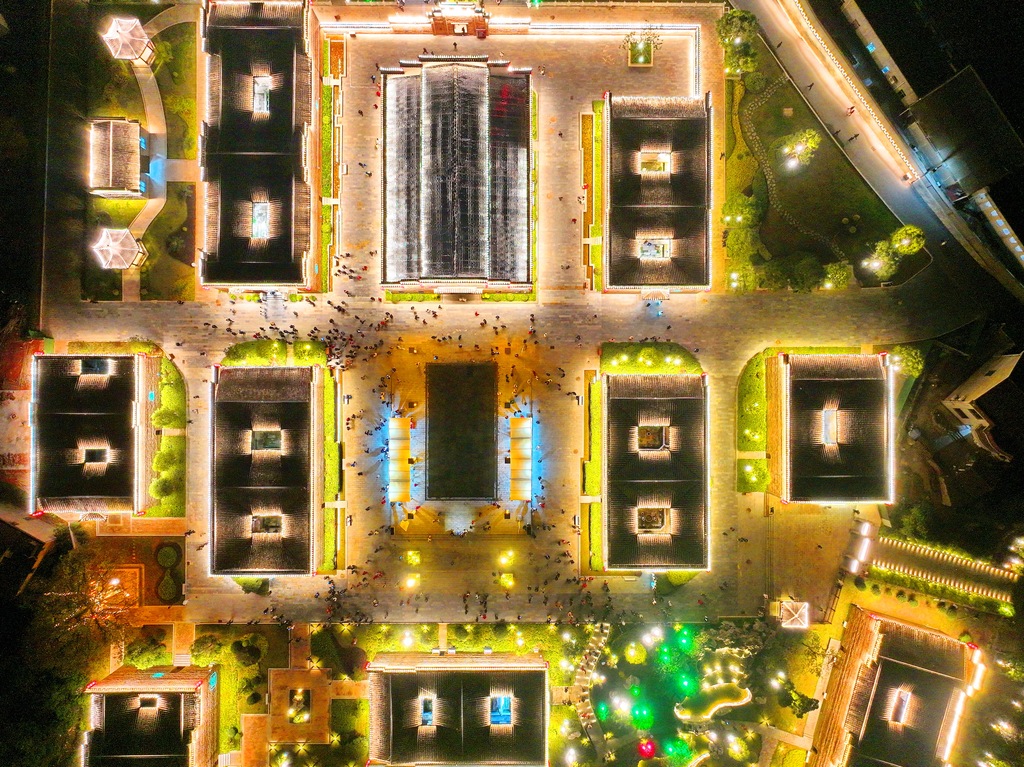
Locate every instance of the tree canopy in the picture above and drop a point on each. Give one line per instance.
(737, 32)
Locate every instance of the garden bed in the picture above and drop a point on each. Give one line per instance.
(827, 196)
(175, 70)
(168, 273)
(243, 670)
(650, 358)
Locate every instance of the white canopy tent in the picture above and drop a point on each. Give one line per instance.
(127, 40)
(118, 249)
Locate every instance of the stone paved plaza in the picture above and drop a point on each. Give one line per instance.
(802, 548)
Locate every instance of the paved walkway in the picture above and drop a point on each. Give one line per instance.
(176, 14)
(156, 125)
(726, 330)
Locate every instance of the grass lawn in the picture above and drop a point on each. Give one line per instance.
(664, 358)
(821, 194)
(175, 69)
(168, 273)
(99, 283)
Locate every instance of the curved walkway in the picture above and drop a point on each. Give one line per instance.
(579, 693)
(156, 122)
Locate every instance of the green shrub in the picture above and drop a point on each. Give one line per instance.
(161, 486)
(901, 595)
(168, 555)
(755, 82)
(752, 475)
(260, 586)
(246, 652)
(907, 240)
(661, 357)
(907, 360)
(147, 651)
(206, 649)
(737, 32)
(860, 583)
(806, 273)
(838, 275)
(741, 211)
(743, 243)
(876, 589)
(168, 589)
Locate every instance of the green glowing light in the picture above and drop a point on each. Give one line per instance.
(635, 691)
(602, 711)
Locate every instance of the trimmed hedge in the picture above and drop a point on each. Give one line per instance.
(941, 591)
(625, 357)
(262, 352)
(752, 475)
(592, 468)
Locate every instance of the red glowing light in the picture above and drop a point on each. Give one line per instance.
(646, 748)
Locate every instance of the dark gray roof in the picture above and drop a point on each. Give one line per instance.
(673, 478)
(250, 157)
(856, 468)
(670, 207)
(457, 173)
(933, 669)
(73, 410)
(462, 733)
(461, 422)
(269, 482)
(147, 737)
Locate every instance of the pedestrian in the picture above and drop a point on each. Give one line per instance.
(854, 137)
(810, 86)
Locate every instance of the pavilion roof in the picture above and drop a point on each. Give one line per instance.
(117, 248)
(126, 39)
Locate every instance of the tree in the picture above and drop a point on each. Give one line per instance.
(775, 275)
(884, 260)
(800, 147)
(737, 31)
(907, 240)
(146, 651)
(164, 54)
(838, 275)
(741, 211)
(806, 273)
(82, 601)
(907, 360)
(790, 697)
(206, 650)
(167, 418)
